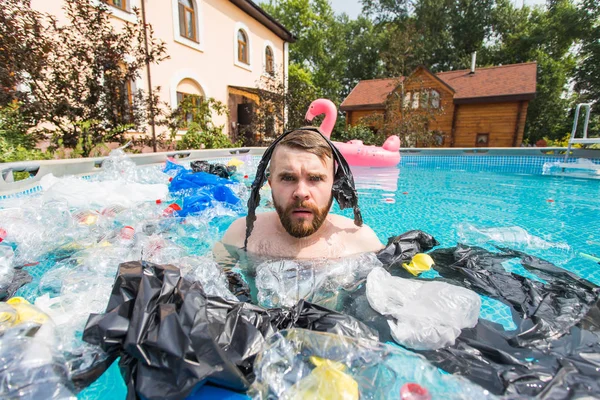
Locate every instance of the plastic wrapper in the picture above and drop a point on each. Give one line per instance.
(38, 228)
(404, 247)
(204, 198)
(81, 193)
(282, 283)
(426, 315)
(119, 166)
(31, 367)
(171, 337)
(516, 238)
(286, 369)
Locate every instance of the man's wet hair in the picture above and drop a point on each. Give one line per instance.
(343, 190)
(309, 141)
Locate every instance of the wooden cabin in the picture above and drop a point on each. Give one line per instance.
(484, 107)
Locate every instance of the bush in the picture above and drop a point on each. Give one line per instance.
(196, 138)
(358, 132)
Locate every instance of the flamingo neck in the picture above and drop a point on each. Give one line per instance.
(329, 121)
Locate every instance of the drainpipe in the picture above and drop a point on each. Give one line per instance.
(151, 108)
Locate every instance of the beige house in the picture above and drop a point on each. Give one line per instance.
(217, 48)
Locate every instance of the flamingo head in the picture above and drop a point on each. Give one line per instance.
(320, 106)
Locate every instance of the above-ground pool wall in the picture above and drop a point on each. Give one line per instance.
(525, 160)
(89, 166)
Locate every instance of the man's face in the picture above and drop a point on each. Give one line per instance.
(301, 186)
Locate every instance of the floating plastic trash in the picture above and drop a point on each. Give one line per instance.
(421, 262)
(425, 315)
(286, 369)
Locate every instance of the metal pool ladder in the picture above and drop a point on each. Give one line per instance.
(584, 139)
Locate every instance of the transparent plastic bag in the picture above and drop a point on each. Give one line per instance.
(286, 368)
(81, 193)
(282, 283)
(31, 364)
(515, 238)
(427, 315)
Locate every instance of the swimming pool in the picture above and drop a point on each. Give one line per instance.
(558, 218)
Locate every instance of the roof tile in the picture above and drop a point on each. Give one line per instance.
(505, 80)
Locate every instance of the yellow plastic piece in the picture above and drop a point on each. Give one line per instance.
(328, 381)
(234, 162)
(421, 262)
(26, 312)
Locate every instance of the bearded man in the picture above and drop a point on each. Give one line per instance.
(306, 172)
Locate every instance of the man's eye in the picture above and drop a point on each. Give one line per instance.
(287, 178)
(316, 178)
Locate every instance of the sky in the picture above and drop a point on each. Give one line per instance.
(353, 7)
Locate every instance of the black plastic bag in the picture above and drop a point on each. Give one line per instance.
(403, 247)
(555, 351)
(220, 170)
(171, 337)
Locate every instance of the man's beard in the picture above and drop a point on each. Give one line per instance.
(301, 227)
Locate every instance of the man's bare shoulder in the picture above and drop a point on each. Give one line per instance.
(236, 233)
(362, 237)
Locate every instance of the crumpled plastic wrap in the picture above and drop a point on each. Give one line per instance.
(285, 369)
(81, 193)
(553, 354)
(426, 315)
(31, 367)
(220, 170)
(172, 338)
(119, 166)
(404, 247)
(282, 283)
(516, 238)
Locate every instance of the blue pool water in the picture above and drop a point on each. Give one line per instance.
(561, 217)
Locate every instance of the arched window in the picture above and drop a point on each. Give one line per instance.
(435, 99)
(269, 66)
(189, 99)
(242, 47)
(187, 20)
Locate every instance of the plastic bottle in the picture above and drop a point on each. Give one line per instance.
(414, 391)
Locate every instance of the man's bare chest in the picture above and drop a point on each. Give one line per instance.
(276, 246)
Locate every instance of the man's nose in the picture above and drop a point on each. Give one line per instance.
(301, 191)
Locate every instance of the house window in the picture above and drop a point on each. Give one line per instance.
(190, 105)
(424, 100)
(407, 99)
(120, 4)
(125, 109)
(269, 67)
(242, 40)
(415, 100)
(187, 20)
(482, 140)
(435, 99)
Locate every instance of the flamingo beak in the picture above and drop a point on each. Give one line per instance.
(309, 116)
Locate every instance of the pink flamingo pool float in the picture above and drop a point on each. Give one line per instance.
(354, 151)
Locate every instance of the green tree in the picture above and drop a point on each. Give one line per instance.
(76, 78)
(588, 71)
